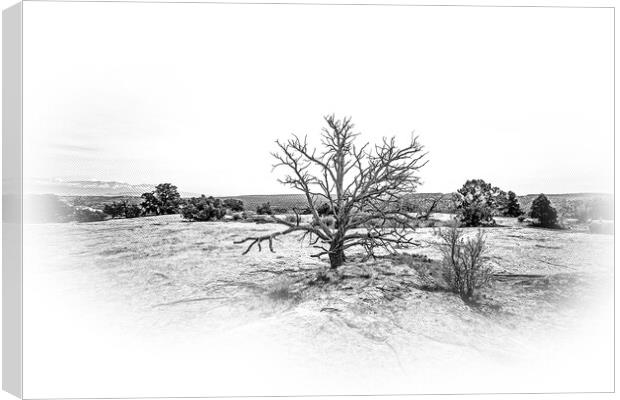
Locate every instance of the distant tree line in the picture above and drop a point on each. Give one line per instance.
(479, 202)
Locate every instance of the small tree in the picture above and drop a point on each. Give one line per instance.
(466, 266)
(360, 184)
(203, 209)
(165, 199)
(477, 202)
(543, 211)
(512, 207)
(233, 205)
(168, 197)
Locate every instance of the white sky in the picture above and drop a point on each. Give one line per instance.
(195, 94)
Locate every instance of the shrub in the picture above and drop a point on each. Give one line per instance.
(521, 218)
(132, 211)
(477, 202)
(233, 205)
(203, 209)
(264, 209)
(465, 264)
(84, 214)
(543, 211)
(122, 209)
(279, 210)
(248, 214)
(114, 209)
(237, 216)
(282, 291)
(325, 209)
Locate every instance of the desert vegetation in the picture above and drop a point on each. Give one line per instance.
(543, 212)
(465, 261)
(165, 199)
(203, 209)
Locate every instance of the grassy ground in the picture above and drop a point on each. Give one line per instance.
(374, 330)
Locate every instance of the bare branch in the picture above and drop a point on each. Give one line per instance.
(364, 187)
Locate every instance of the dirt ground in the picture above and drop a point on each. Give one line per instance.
(183, 297)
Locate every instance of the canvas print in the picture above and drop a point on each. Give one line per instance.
(280, 199)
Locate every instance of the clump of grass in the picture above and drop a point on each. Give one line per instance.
(282, 291)
(429, 271)
(411, 259)
(323, 277)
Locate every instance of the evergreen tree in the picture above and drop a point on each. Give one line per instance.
(512, 207)
(477, 202)
(543, 211)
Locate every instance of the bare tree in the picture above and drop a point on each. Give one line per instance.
(363, 186)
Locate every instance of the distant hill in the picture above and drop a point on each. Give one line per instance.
(564, 202)
(91, 188)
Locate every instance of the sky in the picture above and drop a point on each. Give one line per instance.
(196, 94)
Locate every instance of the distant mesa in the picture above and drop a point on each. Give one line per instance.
(89, 188)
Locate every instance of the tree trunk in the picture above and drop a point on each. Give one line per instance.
(336, 255)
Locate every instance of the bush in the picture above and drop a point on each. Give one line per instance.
(122, 209)
(282, 291)
(477, 202)
(543, 211)
(114, 209)
(264, 209)
(132, 211)
(88, 215)
(466, 266)
(233, 205)
(248, 214)
(324, 210)
(279, 210)
(203, 209)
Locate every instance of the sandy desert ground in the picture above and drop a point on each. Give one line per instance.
(159, 306)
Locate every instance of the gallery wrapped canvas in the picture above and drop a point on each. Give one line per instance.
(237, 199)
